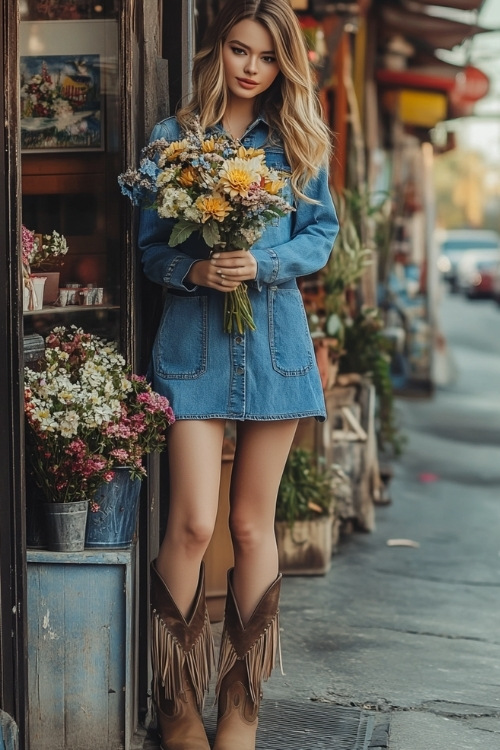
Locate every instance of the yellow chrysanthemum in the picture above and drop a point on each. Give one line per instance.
(187, 177)
(208, 145)
(237, 175)
(273, 187)
(249, 153)
(213, 207)
(174, 149)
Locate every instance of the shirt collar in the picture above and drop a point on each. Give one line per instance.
(261, 118)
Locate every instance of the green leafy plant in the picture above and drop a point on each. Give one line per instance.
(305, 490)
(346, 266)
(368, 352)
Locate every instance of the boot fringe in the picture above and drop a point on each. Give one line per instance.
(169, 660)
(259, 659)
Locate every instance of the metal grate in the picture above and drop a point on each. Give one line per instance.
(285, 725)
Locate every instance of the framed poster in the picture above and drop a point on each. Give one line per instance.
(61, 106)
(68, 71)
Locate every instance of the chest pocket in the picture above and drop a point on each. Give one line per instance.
(276, 159)
(180, 350)
(292, 351)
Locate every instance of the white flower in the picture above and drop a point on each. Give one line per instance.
(69, 424)
(172, 202)
(46, 423)
(192, 214)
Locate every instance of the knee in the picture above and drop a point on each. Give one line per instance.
(246, 534)
(194, 536)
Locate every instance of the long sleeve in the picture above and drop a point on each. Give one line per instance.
(164, 264)
(314, 228)
(161, 263)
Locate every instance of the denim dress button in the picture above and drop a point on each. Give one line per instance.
(240, 370)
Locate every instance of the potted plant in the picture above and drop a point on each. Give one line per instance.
(41, 253)
(304, 515)
(87, 417)
(368, 352)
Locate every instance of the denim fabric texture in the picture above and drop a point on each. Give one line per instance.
(267, 374)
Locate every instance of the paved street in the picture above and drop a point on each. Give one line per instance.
(413, 634)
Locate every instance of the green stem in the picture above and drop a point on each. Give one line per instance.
(238, 313)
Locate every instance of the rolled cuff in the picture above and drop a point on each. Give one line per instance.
(177, 271)
(268, 266)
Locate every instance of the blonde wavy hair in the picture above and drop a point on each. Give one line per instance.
(290, 105)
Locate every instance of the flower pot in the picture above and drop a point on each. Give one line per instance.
(33, 293)
(66, 525)
(114, 523)
(306, 547)
(51, 288)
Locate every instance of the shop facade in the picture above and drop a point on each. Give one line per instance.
(80, 93)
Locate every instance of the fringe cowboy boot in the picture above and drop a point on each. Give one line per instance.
(247, 657)
(182, 654)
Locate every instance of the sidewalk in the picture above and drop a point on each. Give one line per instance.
(414, 633)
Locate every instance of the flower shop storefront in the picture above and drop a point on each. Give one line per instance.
(79, 99)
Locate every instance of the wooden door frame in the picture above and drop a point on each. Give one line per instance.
(12, 517)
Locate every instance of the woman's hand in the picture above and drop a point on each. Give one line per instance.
(224, 271)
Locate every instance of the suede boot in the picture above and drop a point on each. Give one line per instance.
(247, 657)
(182, 656)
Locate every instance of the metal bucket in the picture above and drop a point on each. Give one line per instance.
(66, 525)
(114, 523)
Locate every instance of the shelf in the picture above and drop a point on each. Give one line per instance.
(49, 309)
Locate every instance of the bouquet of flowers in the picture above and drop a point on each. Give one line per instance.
(86, 414)
(40, 251)
(41, 97)
(50, 251)
(210, 184)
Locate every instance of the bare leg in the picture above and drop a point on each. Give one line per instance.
(194, 450)
(261, 452)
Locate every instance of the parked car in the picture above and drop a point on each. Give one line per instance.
(495, 292)
(475, 270)
(454, 242)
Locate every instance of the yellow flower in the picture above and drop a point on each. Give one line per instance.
(213, 207)
(174, 150)
(187, 177)
(273, 186)
(249, 153)
(237, 175)
(208, 145)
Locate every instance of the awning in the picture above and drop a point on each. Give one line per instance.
(463, 86)
(463, 83)
(456, 4)
(430, 31)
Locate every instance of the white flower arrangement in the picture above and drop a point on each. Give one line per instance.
(86, 414)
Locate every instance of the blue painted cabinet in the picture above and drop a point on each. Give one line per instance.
(81, 633)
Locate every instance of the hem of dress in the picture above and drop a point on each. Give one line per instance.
(320, 416)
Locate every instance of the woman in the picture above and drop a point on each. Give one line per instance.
(252, 80)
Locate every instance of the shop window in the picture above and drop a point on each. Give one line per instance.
(71, 153)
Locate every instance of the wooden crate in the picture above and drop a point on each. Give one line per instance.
(306, 547)
(81, 645)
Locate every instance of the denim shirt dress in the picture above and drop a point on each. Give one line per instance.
(266, 374)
